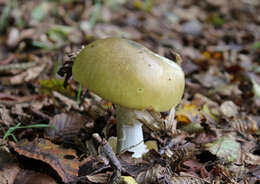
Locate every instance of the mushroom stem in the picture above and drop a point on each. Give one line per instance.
(129, 132)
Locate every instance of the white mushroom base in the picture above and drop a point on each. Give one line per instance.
(129, 132)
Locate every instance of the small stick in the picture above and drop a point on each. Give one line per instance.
(108, 152)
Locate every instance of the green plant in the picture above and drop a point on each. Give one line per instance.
(18, 126)
(79, 93)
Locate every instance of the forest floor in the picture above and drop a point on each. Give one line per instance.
(50, 134)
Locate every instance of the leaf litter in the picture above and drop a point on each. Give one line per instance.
(214, 137)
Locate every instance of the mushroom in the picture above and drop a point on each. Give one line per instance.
(132, 77)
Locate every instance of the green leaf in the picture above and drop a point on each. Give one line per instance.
(225, 147)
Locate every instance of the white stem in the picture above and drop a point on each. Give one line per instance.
(129, 132)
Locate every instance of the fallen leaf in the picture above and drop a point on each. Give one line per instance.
(251, 159)
(244, 127)
(210, 79)
(193, 128)
(194, 165)
(91, 164)
(27, 75)
(229, 109)
(130, 165)
(152, 175)
(187, 180)
(225, 147)
(128, 180)
(9, 168)
(65, 125)
(98, 178)
(64, 161)
(5, 116)
(30, 177)
(237, 171)
(187, 113)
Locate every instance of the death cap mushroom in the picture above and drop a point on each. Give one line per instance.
(128, 74)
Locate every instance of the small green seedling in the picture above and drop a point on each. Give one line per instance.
(18, 126)
(79, 94)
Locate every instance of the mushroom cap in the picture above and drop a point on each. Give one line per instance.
(128, 74)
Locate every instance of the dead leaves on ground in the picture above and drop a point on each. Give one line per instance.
(30, 177)
(64, 126)
(11, 173)
(64, 161)
(9, 168)
(216, 136)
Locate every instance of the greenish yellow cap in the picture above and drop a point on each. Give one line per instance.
(128, 74)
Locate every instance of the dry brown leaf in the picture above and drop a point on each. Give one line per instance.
(65, 125)
(92, 165)
(251, 159)
(238, 172)
(187, 180)
(5, 116)
(8, 168)
(179, 155)
(152, 175)
(210, 79)
(130, 166)
(194, 166)
(64, 161)
(98, 178)
(31, 177)
(244, 126)
(27, 75)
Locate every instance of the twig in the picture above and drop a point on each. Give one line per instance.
(108, 152)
